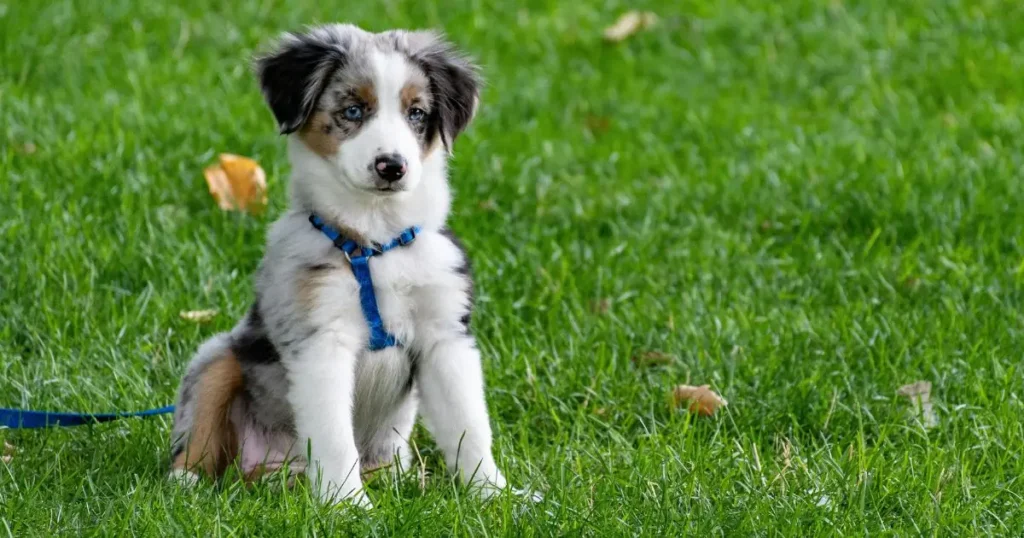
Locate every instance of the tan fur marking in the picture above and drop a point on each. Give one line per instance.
(308, 286)
(366, 93)
(309, 283)
(212, 444)
(321, 135)
(413, 93)
(430, 148)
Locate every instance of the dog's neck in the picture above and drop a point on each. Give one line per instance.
(362, 216)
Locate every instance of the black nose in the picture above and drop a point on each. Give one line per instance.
(390, 167)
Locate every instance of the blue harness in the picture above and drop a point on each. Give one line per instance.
(379, 337)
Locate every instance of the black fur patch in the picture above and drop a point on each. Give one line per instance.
(465, 270)
(454, 87)
(252, 346)
(294, 77)
(414, 362)
(320, 267)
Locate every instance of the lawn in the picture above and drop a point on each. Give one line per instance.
(805, 204)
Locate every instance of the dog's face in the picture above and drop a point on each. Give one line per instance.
(375, 106)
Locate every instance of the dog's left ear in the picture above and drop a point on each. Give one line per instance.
(454, 83)
(294, 76)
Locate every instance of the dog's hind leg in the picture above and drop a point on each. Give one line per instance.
(389, 445)
(203, 438)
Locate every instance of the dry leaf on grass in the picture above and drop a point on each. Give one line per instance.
(920, 395)
(8, 453)
(600, 306)
(652, 358)
(597, 124)
(628, 24)
(237, 183)
(702, 400)
(198, 316)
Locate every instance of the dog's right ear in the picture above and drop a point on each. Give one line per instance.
(294, 76)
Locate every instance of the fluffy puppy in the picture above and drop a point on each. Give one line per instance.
(370, 120)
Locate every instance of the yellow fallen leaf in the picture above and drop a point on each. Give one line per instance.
(600, 306)
(237, 182)
(920, 395)
(488, 205)
(917, 388)
(652, 358)
(198, 316)
(628, 24)
(702, 399)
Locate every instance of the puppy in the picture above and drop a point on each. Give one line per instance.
(370, 120)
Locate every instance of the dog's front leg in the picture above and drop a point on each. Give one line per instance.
(322, 384)
(451, 386)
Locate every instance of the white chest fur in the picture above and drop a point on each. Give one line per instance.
(420, 290)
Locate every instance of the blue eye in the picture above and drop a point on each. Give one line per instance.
(416, 115)
(353, 113)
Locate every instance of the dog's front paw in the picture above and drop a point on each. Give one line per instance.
(528, 495)
(491, 486)
(330, 492)
(489, 491)
(486, 484)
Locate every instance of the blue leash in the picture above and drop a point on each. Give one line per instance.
(24, 419)
(379, 337)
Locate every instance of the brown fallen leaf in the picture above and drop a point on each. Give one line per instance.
(702, 399)
(237, 183)
(920, 395)
(628, 24)
(597, 124)
(198, 316)
(652, 358)
(600, 306)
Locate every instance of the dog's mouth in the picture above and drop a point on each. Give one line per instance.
(387, 189)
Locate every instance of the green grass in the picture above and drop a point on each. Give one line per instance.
(806, 203)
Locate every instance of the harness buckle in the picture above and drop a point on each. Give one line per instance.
(360, 253)
(407, 237)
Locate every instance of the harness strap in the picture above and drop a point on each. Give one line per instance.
(360, 263)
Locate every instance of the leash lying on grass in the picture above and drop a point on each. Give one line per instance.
(23, 418)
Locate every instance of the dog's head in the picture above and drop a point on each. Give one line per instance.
(374, 106)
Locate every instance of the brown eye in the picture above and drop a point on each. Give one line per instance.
(416, 115)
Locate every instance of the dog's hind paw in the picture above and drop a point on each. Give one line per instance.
(183, 477)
